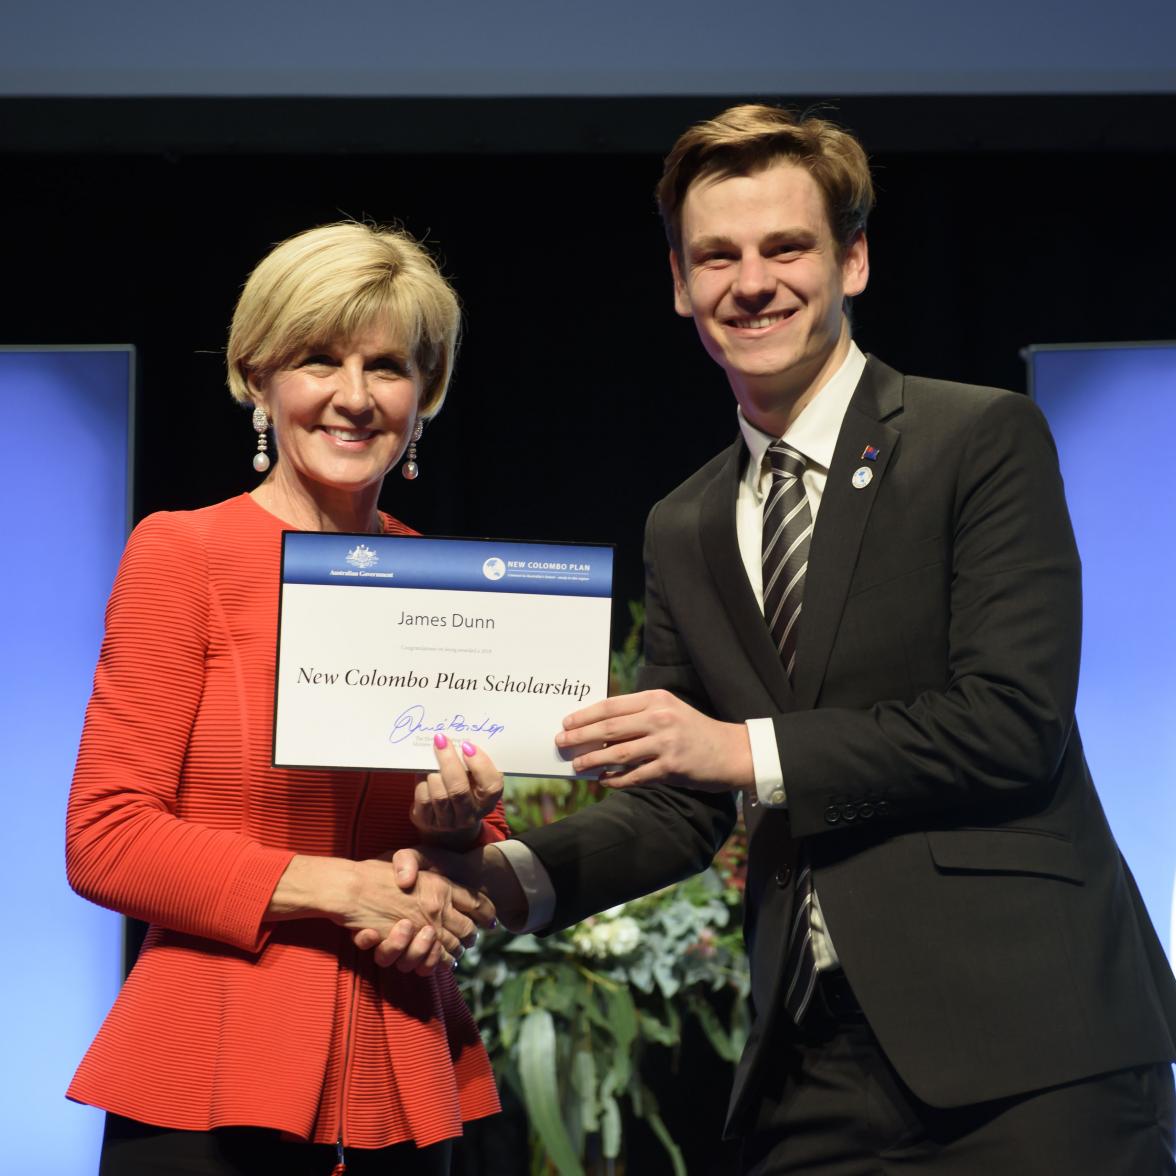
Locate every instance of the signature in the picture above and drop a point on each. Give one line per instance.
(413, 720)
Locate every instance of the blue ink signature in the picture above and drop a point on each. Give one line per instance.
(413, 720)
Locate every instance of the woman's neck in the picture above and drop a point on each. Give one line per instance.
(320, 508)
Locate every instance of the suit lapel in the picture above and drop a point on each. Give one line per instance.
(841, 521)
(720, 547)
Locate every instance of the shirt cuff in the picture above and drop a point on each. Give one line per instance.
(765, 762)
(536, 883)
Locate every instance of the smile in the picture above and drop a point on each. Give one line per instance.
(760, 321)
(349, 434)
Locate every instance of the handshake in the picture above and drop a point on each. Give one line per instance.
(419, 909)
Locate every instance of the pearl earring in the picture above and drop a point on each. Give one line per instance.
(410, 469)
(261, 461)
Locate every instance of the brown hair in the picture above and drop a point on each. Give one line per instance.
(746, 139)
(332, 282)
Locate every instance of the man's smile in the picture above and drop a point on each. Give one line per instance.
(760, 321)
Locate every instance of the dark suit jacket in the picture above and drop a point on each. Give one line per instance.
(934, 771)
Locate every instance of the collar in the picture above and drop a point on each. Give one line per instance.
(813, 433)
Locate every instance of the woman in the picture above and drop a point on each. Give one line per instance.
(253, 1035)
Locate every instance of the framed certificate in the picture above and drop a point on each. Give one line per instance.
(386, 640)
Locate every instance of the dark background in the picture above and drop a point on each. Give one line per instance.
(580, 397)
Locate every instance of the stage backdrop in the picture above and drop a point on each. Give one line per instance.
(1112, 409)
(64, 484)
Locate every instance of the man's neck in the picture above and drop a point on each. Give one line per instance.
(773, 403)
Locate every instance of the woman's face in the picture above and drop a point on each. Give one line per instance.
(343, 412)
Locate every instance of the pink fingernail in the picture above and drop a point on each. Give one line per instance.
(468, 749)
(440, 742)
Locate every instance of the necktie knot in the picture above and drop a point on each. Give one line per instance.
(785, 462)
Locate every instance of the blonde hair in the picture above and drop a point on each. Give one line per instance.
(746, 139)
(333, 282)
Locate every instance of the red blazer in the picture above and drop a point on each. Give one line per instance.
(177, 818)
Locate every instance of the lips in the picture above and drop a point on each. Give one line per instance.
(353, 435)
(759, 322)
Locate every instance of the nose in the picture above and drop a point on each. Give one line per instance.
(753, 279)
(352, 394)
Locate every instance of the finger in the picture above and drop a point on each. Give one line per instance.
(407, 863)
(423, 814)
(607, 733)
(456, 781)
(485, 779)
(417, 950)
(623, 755)
(629, 777)
(459, 926)
(389, 949)
(366, 939)
(437, 958)
(609, 708)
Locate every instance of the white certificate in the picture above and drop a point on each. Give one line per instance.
(386, 640)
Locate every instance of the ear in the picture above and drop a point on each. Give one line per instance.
(855, 266)
(257, 391)
(682, 302)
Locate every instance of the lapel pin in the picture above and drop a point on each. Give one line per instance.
(862, 477)
(870, 453)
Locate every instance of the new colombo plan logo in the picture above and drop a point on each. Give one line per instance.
(494, 568)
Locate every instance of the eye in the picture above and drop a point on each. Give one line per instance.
(393, 365)
(318, 359)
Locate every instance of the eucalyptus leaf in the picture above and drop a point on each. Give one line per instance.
(584, 1084)
(541, 1090)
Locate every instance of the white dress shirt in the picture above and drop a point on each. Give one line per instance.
(814, 434)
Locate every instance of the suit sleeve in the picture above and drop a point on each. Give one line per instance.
(999, 726)
(639, 840)
(125, 847)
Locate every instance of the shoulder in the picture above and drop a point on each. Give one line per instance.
(947, 415)
(393, 526)
(183, 543)
(684, 500)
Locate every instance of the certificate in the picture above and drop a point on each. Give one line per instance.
(386, 640)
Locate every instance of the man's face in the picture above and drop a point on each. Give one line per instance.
(761, 277)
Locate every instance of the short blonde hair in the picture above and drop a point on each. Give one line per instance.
(334, 282)
(743, 140)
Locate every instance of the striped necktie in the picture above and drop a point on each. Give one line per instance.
(787, 528)
(788, 524)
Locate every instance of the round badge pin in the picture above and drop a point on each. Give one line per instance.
(862, 477)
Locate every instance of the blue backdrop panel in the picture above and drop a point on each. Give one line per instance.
(1113, 413)
(64, 485)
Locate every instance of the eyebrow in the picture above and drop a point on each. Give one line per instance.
(798, 235)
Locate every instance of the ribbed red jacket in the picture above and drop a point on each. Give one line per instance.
(176, 817)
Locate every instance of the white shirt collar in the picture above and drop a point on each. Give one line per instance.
(813, 433)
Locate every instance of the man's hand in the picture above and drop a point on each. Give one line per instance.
(654, 735)
(484, 871)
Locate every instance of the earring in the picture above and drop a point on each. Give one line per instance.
(261, 461)
(410, 469)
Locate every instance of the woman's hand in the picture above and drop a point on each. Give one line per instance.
(419, 928)
(449, 804)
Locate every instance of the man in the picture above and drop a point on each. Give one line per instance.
(864, 615)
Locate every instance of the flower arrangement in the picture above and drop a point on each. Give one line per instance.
(568, 1019)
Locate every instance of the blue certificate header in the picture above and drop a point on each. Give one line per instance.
(465, 565)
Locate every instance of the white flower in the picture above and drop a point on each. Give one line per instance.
(624, 935)
(600, 940)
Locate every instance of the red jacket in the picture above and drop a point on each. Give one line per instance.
(177, 818)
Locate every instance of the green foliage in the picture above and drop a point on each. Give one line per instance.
(569, 1019)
